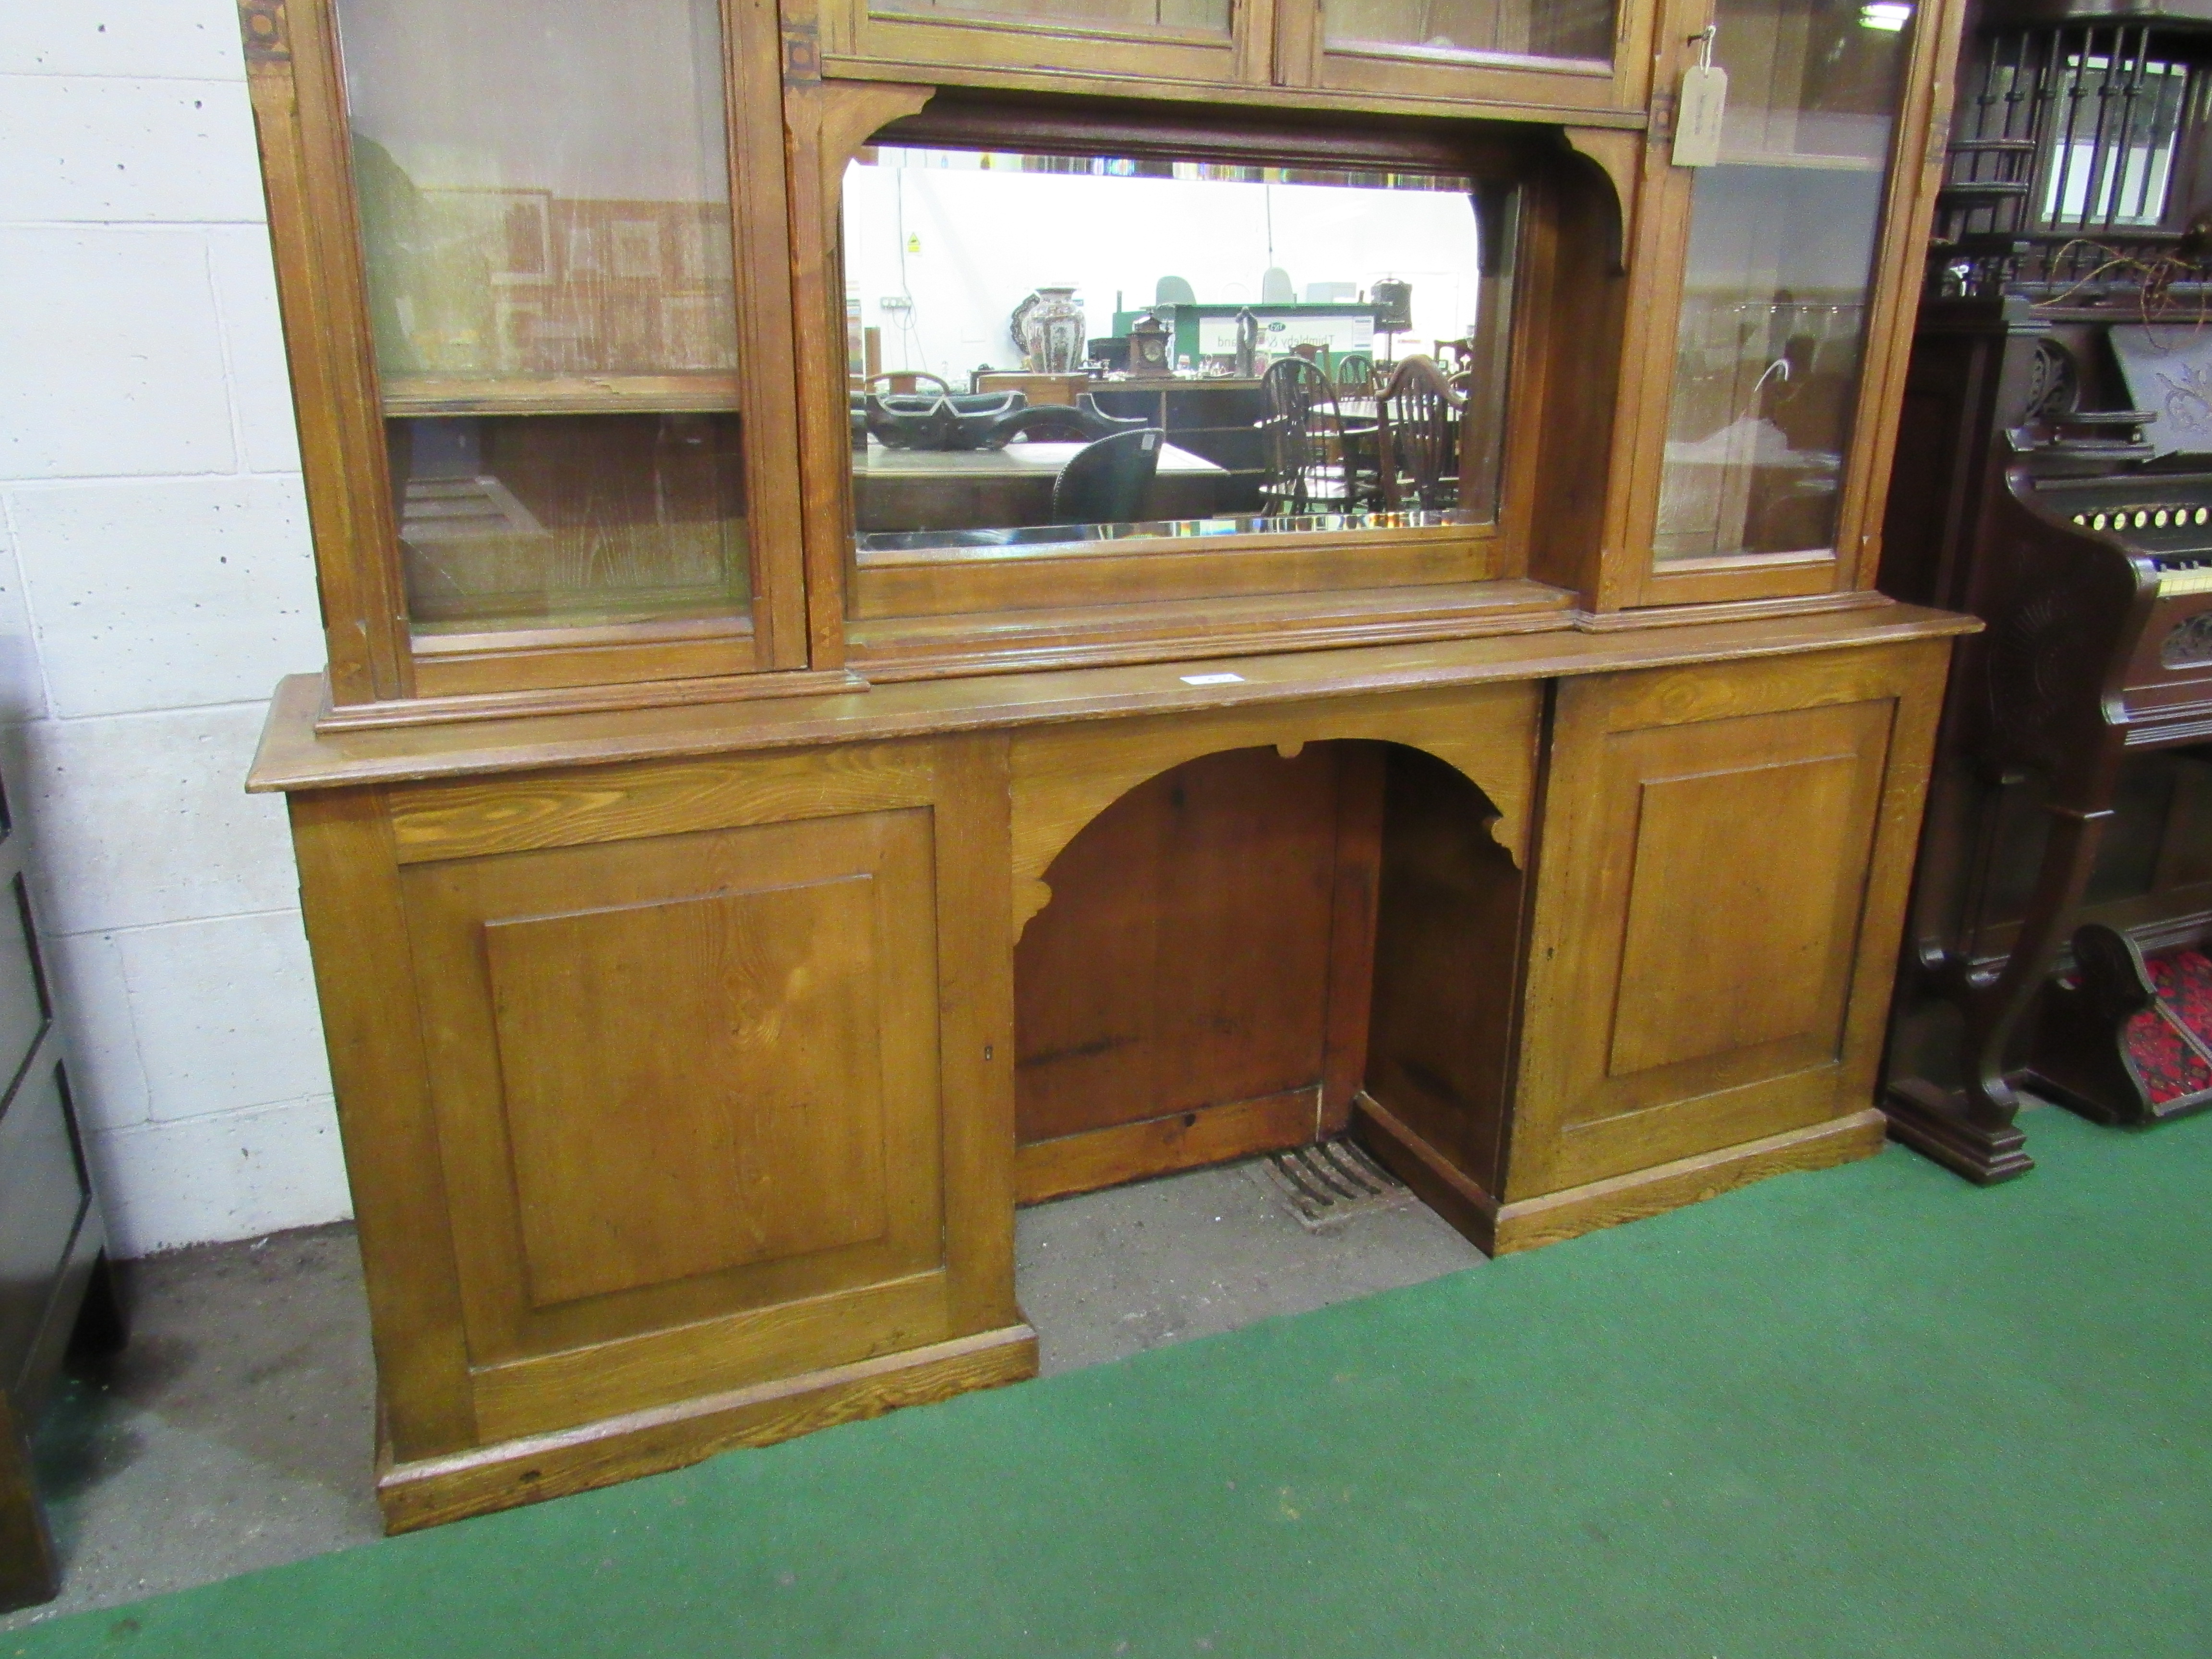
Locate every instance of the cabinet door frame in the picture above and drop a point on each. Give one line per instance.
(855, 41)
(1568, 88)
(889, 613)
(1632, 576)
(1585, 884)
(356, 849)
(1272, 50)
(377, 669)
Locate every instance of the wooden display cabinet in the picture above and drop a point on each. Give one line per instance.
(726, 905)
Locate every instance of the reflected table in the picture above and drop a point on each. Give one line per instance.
(993, 488)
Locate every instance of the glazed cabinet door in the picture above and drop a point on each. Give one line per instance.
(534, 266)
(1505, 54)
(1563, 55)
(714, 1059)
(1720, 894)
(1789, 268)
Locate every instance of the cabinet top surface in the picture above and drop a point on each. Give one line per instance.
(294, 755)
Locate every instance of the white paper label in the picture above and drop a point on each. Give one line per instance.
(1697, 116)
(1213, 679)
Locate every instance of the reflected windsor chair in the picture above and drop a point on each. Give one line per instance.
(1314, 458)
(1423, 416)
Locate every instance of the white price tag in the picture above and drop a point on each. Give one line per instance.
(1213, 679)
(1697, 115)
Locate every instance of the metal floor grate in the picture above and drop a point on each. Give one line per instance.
(1326, 1185)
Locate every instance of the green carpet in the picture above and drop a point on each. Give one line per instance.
(1868, 1411)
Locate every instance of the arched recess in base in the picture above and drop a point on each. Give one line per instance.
(1064, 776)
(1239, 940)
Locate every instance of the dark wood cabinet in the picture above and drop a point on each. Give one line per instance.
(55, 1285)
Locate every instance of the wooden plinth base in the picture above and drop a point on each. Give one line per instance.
(1934, 1124)
(2095, 1108)
(516, 1472)
(1501, 1229)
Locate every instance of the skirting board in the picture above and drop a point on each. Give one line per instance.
(1499, 1230)
(436, 1490)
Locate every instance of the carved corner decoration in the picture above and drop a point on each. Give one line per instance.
(852, 111)
(1618, 153)
(1031, 895)
(261, 24)
(1060, 782)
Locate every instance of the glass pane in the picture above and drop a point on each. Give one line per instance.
(1521, 29)
(1079, 351)
(567, 519)
(1781, 245)
(548, 252)
(1142, 16)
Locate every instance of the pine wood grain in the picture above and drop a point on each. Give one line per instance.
(293, 755)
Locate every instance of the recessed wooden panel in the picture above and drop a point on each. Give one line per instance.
(1184, 961)
(682, 1078)
(1734, 937)
(1447, 956)
(1719, 895)
(1721, 936)
(691, 1085)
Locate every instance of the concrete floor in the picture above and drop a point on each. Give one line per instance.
(236, 1430)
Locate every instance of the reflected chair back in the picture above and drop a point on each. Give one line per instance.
(1106, 482)
(1310, 466)
(1423, 417)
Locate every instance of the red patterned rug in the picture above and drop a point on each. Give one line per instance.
(2171, 1041)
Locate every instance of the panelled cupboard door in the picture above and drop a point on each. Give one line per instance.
(1720, 892)
(686, 1031)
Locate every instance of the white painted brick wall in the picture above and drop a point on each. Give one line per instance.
(155, 580)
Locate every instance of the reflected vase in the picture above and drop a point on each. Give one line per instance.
(1053, 337)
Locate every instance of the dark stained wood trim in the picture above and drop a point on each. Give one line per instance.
(960, 118)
